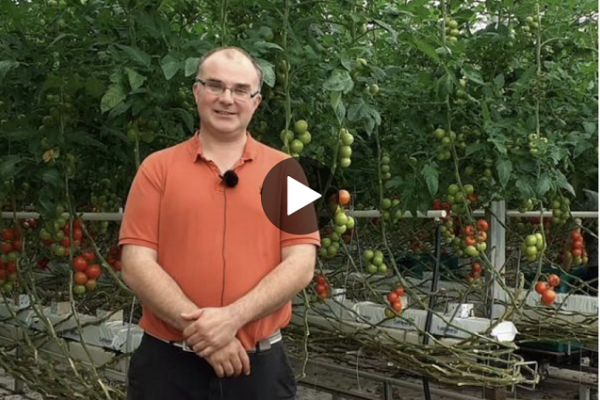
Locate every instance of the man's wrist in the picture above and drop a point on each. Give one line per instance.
(238, 317)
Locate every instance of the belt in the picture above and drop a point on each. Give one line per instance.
(262, 345)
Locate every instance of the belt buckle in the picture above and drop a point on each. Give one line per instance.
(263, 345)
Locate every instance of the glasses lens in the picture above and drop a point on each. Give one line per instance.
(215, 87)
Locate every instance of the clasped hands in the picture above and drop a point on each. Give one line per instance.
(210, 332)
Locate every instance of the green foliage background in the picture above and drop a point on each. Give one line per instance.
(76, 76)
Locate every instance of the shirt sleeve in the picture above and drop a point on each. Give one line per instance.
(142, 209)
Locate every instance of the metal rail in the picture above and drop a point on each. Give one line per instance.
(432, 214)
(386, 381)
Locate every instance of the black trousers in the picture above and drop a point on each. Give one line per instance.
(161, 371)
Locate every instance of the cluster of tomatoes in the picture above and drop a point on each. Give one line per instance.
(114, 258)
(475, 272)
(533, 246)
(321, 286)
(394, 298)
(343, 225)
(574, 253)
(390, 209)
(546, 289)
(56, 236)
(10, 247)
(86, 272)
(374, 262)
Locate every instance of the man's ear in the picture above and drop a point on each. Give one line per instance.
(196, 91)
(257, 100)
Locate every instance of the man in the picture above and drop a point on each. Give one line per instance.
(214, 276)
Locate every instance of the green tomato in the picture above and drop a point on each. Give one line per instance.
(345, 151)
(296, 146)
(368, 255)
(341, 219)
(300, 126)
(345, 162)
(305, 137)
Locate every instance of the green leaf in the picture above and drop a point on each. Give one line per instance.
(432, 178)
(472, 74)
(52, 177)
(191, 65)
(427, 49)
(263, 46)
(543, 184)
(340, 80)
(346, 62)
(563, 183)
(267, 71)
(335, 97)
(137, 55)
(357, 110)
(6, 66)
(474, 148)
(186, 117)
(170, 65)
(388, 28)
(499, 80)
(504, 168)
(524, 187)
(113, 97)
(580, 148)
(590, 127)
(8, 166)
(135, 80)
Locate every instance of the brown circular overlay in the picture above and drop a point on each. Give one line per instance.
(310, 173)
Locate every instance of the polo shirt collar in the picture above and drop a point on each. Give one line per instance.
(249, 154)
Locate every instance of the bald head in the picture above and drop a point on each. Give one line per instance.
(234, 54)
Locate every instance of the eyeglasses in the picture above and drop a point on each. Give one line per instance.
(218, 88)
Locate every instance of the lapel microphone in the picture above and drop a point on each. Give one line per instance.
(230, 179)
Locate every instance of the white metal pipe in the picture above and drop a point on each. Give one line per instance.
(407, 214)
(86, 216)
(91, 216)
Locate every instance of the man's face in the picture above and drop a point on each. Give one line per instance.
(224, 114)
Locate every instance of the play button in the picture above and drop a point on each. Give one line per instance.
(294, 195)
(299, 195)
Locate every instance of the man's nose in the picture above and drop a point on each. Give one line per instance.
(226, 96)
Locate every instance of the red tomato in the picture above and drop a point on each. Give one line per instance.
(65, 242)
(117, 265)
(320, 289)
(5, 247)
(17, 245)
(481, 236)
(472, 198)
(437, 204)
(548, 297)
(397, 306)
(77, 233)
(576, 235)
(89, 255)
(90, 284)
(576, 252)
(482, 225)
(392, 297)
(320, 279)
(3, 274)
(11, 267)
(93, 271)
(7, 234)
(79, 264)
(578, 244)
(399, 290)
(541, 287)
(344, 197)
(553, 280)
(470, 241)
(80, 278)
(77, 223)
(468, 230)
(476, 267)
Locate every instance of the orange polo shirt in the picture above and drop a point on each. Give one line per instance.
(215, 242)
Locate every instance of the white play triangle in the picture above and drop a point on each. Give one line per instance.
(299, 195)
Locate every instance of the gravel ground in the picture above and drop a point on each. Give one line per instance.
(549, 389)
